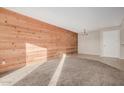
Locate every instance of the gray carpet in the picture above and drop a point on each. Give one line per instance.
(75, 72)
(41, 76)
(84, 72)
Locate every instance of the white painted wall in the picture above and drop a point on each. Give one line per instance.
(89, 44)
(93, 44)
(122, 41)
(122, 52)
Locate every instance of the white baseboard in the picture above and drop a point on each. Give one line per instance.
(89, 54)
(101, 56)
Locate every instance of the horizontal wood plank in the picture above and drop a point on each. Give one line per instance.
(24, 40)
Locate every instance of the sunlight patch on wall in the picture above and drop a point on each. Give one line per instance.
(35, 53)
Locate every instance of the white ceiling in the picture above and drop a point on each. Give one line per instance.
(75, 19)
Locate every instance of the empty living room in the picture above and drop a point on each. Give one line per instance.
(61, 46)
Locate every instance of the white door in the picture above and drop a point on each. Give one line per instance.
(111, 43)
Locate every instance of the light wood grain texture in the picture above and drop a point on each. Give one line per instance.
(24, 40)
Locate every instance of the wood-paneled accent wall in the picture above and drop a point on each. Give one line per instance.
(24, 39)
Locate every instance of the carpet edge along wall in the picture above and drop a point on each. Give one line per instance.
(24, 40)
